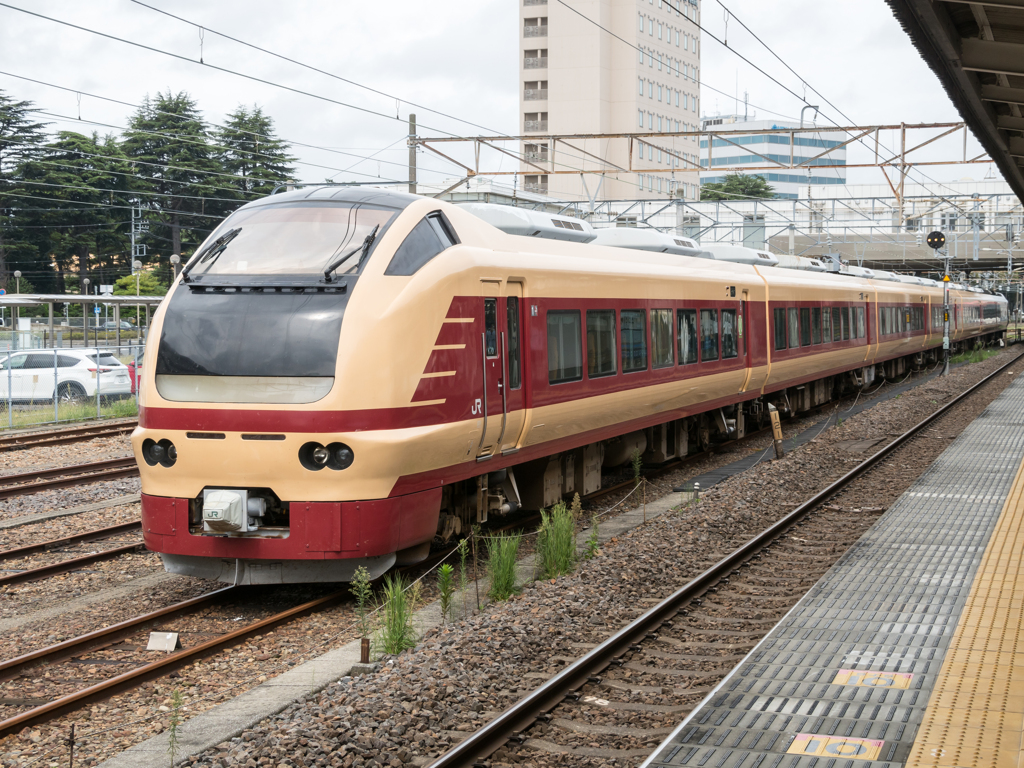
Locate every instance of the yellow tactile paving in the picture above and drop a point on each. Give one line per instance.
(975, 717)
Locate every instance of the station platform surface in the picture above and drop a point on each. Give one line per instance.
(910, 650)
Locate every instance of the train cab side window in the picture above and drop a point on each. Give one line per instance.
(837, 325)
(633, 331)
(846, 323)
(565, 346)
(491, 326)
(729, 345)
(708, 335)
(816, 325)
(430, 237)
(805, 327)
(661, 338)
(794, 327)
(780, 328)
(686, 321)
(600, 342)
(862, 330)
(515, 376)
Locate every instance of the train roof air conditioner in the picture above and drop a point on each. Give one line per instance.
(741, 255)
(526, 223)
(648, 240)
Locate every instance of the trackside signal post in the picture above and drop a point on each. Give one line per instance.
(937, 240)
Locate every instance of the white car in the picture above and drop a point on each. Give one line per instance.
(32, 375)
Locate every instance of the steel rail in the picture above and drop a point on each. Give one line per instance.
(63, 436)
(91, 640)
(77, 538)
(45, 571)
(135, 677)
(62, 477)
(527, 710)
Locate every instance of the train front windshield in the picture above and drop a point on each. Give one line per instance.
(292, 239)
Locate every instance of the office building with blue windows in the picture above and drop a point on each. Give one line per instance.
(736, 144)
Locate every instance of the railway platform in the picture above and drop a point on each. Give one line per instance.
(910, 650)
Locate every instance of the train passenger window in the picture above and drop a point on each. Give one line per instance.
(846, 323)
(837, 325)
(729, 346)
(515, 376)
(862, 330)
(565, 348)
(600, 342)
(794, 327)
(634, 339)
(780, 329)
(805, 327)
(708, 335)
(826, 325)
(816, 325)
(686, 321)
(661, 338)
(491, 326)
(430, 237)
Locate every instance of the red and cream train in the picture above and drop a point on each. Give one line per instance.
(340, 375)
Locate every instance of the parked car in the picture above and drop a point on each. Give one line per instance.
(111, 325)
(31, 376)
(135, 369)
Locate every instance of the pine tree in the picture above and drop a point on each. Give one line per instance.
(248, 148)
(168, 133)
(19, 140)
(76, 218)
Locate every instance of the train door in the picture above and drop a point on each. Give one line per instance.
(514, 403)
(490, 405)
(744, 338)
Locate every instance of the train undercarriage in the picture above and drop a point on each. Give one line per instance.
(541, 483)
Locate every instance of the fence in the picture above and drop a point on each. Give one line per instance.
(48, 386)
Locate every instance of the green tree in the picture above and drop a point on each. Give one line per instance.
(737, 186)
(20, 136)
(248, 148)
(149, 285)
(75, 221)
(177, 183)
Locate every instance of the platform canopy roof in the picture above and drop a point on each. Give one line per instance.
(35, 299)
(977, 51)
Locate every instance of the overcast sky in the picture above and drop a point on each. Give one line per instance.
(456, 56)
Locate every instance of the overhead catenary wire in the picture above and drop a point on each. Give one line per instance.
(256, 79)
(291, 142)
(313, 68)
(803, 81)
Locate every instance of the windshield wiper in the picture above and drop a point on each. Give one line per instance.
(365, 248)
(212, 251)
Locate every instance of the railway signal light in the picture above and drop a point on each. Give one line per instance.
(936, 240)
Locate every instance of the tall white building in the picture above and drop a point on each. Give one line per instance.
(577, 77)
(787, 183)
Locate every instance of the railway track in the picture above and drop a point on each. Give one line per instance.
(62, 477)
(65, 436)
(71, 564)
(675, 653)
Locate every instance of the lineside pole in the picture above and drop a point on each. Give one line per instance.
(945, 315)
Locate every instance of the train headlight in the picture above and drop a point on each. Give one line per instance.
(314, 456)
(163, 452)
(341, 456)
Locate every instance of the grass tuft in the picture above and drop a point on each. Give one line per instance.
(502, 556)
(556, 542)
(395, 632)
